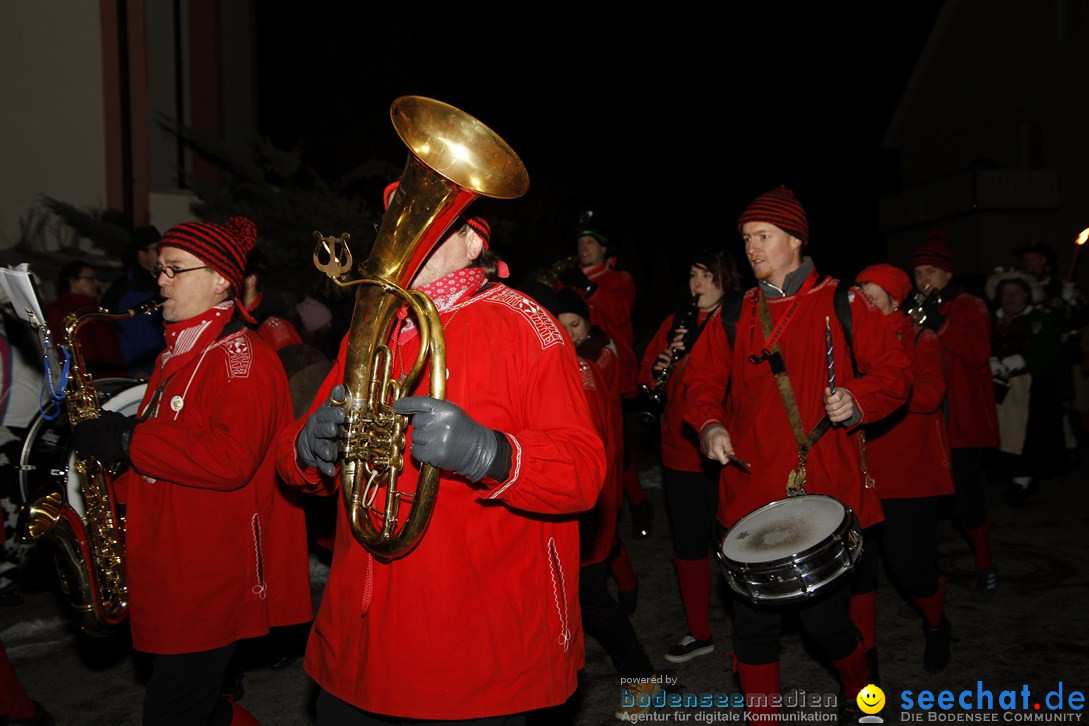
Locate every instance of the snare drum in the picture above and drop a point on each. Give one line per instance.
(47, 461)
(789, 550)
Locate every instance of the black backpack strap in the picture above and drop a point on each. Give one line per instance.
(841, 302)
(730, 312)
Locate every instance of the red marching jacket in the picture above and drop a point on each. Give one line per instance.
(909, 450)
(215, 548)
(597, 527)
(610, 309)
(481, 618)
(965, 335)
(755, 416)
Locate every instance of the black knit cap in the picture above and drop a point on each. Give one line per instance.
(781, 208)
(569, 301)
(221, 247)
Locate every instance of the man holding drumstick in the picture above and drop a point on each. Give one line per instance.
(783, 418)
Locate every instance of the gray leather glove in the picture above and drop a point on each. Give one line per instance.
(317, 443)
(446, 437)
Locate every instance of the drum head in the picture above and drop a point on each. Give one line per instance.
(783, 529)
(47, 460)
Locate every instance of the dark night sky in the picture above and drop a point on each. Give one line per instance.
(668, 125)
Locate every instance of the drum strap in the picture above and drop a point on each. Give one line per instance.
(796, 481)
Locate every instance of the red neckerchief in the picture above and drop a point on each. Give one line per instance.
(781, 326)
(445, 292)
(189, 338)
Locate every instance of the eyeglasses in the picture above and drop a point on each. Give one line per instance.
(170, 271)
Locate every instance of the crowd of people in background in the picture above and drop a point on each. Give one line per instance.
(800, 384)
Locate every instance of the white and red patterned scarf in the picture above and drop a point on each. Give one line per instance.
(593, 271)
(446, 293)
(192, 336)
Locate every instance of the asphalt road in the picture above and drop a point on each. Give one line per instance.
(1031, 638)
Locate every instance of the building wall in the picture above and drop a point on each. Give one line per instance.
(52, 127)
(1002, 86)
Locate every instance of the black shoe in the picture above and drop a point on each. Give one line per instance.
(629, 599)
(689, 648)
(849, 712)
(41, 717)
(1017, 495)
(936, 655)
(642, 519)
(871, 666)
(986, 584)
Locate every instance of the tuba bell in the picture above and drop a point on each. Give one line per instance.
(453, 160)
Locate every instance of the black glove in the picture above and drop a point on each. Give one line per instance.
(576, 278)
(445, 436)
(317, 443)
(934, 318)
(105, 438)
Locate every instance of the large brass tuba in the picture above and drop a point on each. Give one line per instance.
(453, 160)
(90, 550)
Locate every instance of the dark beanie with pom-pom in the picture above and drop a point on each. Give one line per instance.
(223, 247)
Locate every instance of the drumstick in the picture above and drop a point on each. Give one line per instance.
(739, 461)
(829, 356)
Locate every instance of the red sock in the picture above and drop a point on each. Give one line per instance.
(933, 606)
(980, 539)
(14, 703)
(632, 488)
(620, 567)
(864, 616)
(853, 672)
(760, 684)
(695, 581)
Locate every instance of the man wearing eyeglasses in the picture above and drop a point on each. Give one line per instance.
(216, 550)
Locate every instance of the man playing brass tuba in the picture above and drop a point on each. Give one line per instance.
(481, 619)
(216, 552)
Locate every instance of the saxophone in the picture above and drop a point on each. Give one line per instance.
(90, 551)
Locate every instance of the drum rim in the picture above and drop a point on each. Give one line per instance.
(26, 490)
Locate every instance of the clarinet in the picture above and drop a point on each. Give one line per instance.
(654, 397)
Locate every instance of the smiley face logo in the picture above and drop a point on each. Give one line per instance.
(871, 699)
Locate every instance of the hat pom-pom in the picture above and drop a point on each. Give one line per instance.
(244, 230)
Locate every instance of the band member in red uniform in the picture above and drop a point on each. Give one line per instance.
(603, 618)
(216, 550)
(690, 480)
(78, 288)
(594, 344)
(610, 295)
(793, 302)
(963, 325)
(909, 459)
(481, 619)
